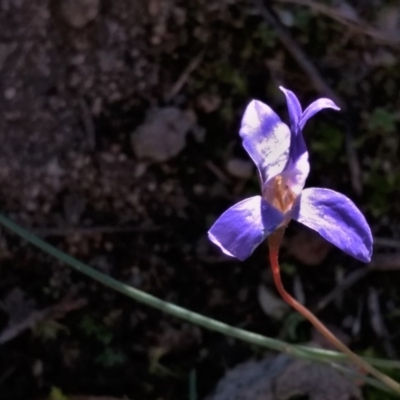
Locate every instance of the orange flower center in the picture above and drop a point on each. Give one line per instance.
(278, 193)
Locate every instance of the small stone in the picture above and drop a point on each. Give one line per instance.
(209, 102)
(97, 106)
(10, 93)
(140, 170)
(239, 168)
(77, 59)
(37, 368)
(163, 134)
(199, 189)
(151, 186)
(199, 134)
(78, 13)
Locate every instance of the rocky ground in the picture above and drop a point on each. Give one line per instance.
(119, 144)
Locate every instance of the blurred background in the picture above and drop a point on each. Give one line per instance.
(119, 145)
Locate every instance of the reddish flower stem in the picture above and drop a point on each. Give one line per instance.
(274, 241)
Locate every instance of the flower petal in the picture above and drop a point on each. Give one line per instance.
(296, 173)
(294, 109)
(336, 218)
(240, 229)
(266, 138)
(297, 169)
(315, 107)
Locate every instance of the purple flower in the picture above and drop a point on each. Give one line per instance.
(281, 157)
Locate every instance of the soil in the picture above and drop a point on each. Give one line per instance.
(80, 80)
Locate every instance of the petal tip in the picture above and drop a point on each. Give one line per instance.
(214, 240)
(286, 91)
(365, 258)
(244, 226)
(256, 112)
(367, 255)
(368, 259)
(337, 219)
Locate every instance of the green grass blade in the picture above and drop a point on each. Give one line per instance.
(304, 352)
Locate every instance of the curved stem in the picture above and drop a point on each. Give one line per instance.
(304, 352)
(274, 241)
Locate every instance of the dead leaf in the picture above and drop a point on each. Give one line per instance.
(271, 304)
(172, 339)
(239, 168)
(386, 262)
(308, 247)
(23, 314)
(284, 378)
(17, 306)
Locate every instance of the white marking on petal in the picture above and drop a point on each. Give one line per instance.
(296, 174)
(266, 138)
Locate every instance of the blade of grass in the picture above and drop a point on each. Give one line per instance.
(304, 352)
(318, 354)
(352, 373)
(193, 385)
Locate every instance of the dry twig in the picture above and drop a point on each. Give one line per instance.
(93, 230)
(387, 242)
(217, 171)
(54, 312)
(380, 262)
(378, 324)
(385, 262)
(356, 25)
(178, 85)
(345, 284)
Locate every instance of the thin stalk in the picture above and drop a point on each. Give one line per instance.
(274, 241)
(304, 352)
(357, 376)
(169, 308)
